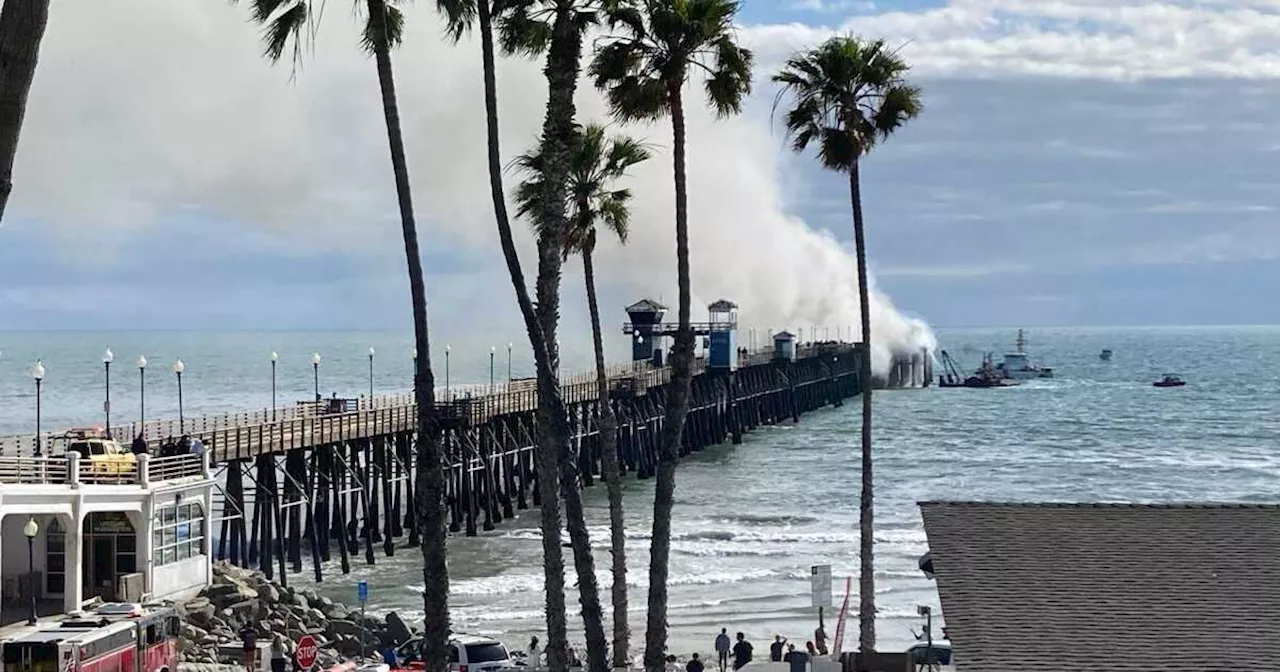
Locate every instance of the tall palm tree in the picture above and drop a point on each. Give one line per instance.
(532, 27)
(643, 68)
(847, 95)
(22, 24)
(288, 23)
(595, 164)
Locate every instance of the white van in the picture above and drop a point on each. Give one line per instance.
(467, 653)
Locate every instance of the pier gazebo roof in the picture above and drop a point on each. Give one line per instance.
(1119, 587)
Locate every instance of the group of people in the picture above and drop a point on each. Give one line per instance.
(780, 651)
(187, 445)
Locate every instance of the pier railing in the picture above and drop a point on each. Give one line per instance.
(303, 423)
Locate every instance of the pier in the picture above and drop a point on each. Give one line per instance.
(336, 476)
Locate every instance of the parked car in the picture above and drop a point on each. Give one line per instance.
(104, 454)
(467, 653)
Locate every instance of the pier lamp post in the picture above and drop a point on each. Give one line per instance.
(371, 353)
(509, 362)
(37, 372)
(492, 352)
(447, 391)
(30, 530)
(142, 395)
(178, 368)
(107, 358)
(275, 357)
(315, 372)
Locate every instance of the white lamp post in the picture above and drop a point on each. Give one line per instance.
(492, 352)
(30, 530)
(447, 349)
(371, 353)
(178, 368)
(107, 358)
(37, 372)
(508, 362)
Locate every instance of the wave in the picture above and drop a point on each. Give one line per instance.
(766, 519)
(600, 536)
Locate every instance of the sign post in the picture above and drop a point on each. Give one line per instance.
(362, 594)
(305, 657)
(820, 585)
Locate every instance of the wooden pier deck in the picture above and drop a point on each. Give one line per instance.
(301, 473)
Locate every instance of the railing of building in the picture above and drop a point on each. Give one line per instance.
(74, 470)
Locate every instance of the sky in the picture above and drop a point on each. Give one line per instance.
(1078, 162)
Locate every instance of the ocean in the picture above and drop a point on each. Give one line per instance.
(750, 520)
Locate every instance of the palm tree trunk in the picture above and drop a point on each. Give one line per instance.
(429, 498)
(609, 456)
(548, 391)
(677, 407)
(866, 520)
(22, 24)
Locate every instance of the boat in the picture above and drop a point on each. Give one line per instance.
(1169, 380)
(986, 376)
(1017, 365)
(1106, 355)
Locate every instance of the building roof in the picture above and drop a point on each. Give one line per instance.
(721, 306)
(646, 306)
(1117, 587)
(784, 335)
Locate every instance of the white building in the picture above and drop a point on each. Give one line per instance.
(120, 529)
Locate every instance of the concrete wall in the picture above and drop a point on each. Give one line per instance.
(189, 575)
(13, 544)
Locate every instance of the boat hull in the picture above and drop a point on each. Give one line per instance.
(1180, 383)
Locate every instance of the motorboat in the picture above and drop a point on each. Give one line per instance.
(1017, 365)
(1106, 355)
(1169, 380)
(986, 376)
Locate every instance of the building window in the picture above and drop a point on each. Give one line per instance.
(55, 558)
(178, 532)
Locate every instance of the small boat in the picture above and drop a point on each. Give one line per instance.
(986, 376)
(1106, 355)
(1017, 365)
(1169, 380)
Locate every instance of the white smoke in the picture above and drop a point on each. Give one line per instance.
(122, 134)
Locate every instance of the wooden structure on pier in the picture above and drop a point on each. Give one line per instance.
(306, 476)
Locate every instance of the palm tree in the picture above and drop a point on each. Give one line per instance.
(594, 165)
(531, 27)
(643, 69)
(848, 94)
(22, 24)
(287, 24)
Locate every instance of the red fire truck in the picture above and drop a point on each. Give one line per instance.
(113, 638)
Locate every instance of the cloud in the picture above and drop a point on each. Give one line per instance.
(833, 6)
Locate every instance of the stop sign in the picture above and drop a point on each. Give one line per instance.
(307, 650)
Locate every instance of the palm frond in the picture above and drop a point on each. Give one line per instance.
(459, 16)
(523, 28)
(392, 21)
(286, 27)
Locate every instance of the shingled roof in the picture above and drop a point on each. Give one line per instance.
(1108, 587)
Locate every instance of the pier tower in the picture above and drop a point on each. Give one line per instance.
(646, 330)
(784, 346)
(723, 336)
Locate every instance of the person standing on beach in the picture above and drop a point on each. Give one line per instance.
(775, 649)
(534, 652)
(741, 652)
(279, 657)
(722, 648)
(694, 665)
(820, 639)
(798, 660)
(249, 640)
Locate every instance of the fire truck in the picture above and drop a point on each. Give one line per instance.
(113, 638)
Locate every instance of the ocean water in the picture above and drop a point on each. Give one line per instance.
(750, 520)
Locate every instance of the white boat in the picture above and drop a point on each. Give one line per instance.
(1017, 365)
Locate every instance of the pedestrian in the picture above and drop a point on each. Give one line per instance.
(813, 653)
(278, 654)
(820, 639)
(139, 445)
(775, 649)
(694, 665)
(741, 652)
(722, 648)
(798, 660)
(534, 653)
(249, 640)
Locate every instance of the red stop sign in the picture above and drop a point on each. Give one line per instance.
(307, 650)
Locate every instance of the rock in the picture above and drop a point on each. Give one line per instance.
(344, 627)
(397, 629)
(269, 593)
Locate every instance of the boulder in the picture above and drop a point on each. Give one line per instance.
(344, 628)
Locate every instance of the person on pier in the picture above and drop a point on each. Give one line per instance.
(139, 445)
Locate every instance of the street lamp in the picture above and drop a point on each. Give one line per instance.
(508, 362)
(31, 529)
(492, 351)
(37, 372)
(315, 371)
(371, 353)
(107, 358)
(447, 349)
(275, 356)
(178, 368)
(142, 395)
